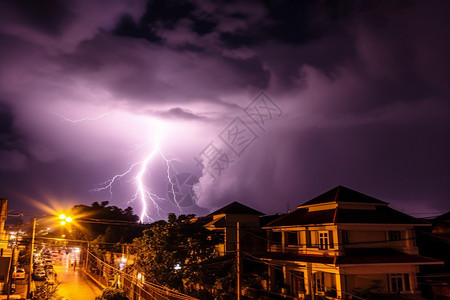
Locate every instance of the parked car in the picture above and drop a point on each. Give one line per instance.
(19, 273)
(48, 269)
(51, 281)
(39, 274)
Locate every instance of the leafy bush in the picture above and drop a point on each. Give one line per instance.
(113, 294)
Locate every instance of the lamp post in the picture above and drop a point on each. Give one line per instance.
(31, 258)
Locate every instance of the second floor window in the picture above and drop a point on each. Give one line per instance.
(323, 240)
(394, 235)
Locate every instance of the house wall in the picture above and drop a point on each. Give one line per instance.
(246, 223)
(358, 236)
(341, 281)
(307, 240)
(354, 283)
(348, 279)
(377, 236)
(363, 276)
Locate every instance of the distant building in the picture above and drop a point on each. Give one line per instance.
(5, 253)
(343, 243)
(435, 242)
(3, 216)
(224, 221)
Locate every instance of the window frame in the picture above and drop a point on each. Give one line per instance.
(398, 282)
(288, 242)
(394, 235)
(323, 240)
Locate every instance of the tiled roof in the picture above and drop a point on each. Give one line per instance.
(301, 216)
(355, 256)
(217, 223)
(343, 194)
(297, 258)
(381, 255)
(444, 217)
(236, 208)
(264, 220)
(380, 215)
(203, 220)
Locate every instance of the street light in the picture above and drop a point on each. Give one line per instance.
(65, 219)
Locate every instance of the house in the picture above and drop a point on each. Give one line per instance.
(341, 244)
(5, 253)
(434, 242)
(3, 216)
(224, 221)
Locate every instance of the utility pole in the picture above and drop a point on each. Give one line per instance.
(31, 258)
(12, 265)
(238, 263)
(87, 257)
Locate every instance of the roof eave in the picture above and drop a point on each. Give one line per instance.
(390, 264)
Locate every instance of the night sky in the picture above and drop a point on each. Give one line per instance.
(279, 101)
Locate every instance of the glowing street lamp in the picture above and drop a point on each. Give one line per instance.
(65, 219)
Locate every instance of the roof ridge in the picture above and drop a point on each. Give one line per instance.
(342, 194)
(236, 208)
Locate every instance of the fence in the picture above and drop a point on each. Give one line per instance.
(130, 281)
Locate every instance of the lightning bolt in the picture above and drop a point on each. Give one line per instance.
(137, 172)
(83, 119)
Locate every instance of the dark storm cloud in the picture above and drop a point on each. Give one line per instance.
(50, 17)
(11, 142)
(373, 117)
(363, 86)
(179, 113)
(137, 70)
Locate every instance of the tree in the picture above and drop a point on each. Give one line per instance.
(111, 233)
(112, 294)
(170, 253)
(46, 291)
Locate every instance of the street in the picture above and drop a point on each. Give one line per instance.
(74, 284)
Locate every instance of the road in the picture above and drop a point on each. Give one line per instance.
(74, 284)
